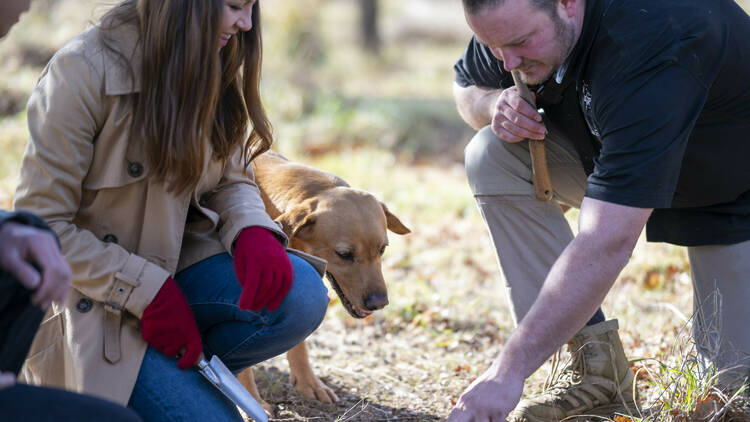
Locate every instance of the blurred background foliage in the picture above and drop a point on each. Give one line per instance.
(328, 83)
(326, 86)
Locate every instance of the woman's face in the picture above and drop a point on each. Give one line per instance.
(237, 17)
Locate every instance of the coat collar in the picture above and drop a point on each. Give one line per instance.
(117, 76)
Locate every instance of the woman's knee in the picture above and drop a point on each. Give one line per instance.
(161, 388)
(307, 300)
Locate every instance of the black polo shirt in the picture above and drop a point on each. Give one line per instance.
(656, 98)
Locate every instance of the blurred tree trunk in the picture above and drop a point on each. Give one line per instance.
(368, 14)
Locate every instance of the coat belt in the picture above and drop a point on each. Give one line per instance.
(114, 305)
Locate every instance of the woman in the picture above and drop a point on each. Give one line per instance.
(138, 159)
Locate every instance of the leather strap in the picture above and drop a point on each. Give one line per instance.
(114, 305)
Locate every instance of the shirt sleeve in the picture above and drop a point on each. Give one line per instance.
(644, 130)
(23, 217)
(478, 67)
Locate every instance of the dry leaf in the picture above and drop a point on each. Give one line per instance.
(640, 372)
(672, 270)
(706, 408)
(652, 280)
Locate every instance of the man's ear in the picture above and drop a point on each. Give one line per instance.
(568, 7)
(298, 222)
(393, 223)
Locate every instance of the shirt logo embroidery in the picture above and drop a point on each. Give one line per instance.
(586, 105)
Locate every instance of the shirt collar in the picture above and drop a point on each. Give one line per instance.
(570, 70)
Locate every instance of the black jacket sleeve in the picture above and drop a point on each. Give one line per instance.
(23, 217)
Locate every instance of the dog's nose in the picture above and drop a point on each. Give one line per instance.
(376, 301)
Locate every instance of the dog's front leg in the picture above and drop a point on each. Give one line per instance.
(302, 376)
(247, 379)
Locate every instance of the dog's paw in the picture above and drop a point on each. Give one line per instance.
(313, 388)
(269, 408)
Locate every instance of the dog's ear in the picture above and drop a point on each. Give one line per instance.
(304, 229)
(298, 221)
(394, 224)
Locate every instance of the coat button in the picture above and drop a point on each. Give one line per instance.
(110, 238)
(84, 305)
(135, 169)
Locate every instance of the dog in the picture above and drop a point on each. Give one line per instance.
(323, 216)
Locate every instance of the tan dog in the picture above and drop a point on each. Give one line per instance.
(325, 217)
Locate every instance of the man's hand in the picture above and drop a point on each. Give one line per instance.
(22, 248)
(491, 397)
(514, 120)
(7, 379)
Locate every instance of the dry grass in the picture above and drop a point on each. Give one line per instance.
(388, 125)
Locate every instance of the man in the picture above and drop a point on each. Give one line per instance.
(645, 111)
(21, 240)
(33, 273)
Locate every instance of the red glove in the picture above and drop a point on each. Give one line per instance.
(168, 325)
(263, 269)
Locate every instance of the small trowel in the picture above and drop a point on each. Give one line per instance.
(222, 378)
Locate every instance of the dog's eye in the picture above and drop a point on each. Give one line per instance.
(346, 256)
(382, 249)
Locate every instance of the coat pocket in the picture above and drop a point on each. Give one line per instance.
(45, 363)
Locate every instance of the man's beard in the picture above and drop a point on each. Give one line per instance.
(565, 35)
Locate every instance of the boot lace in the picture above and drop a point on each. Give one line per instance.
(568, 385)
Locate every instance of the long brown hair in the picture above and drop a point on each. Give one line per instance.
(191, 95)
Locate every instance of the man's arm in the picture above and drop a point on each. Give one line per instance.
(475, 104)
(576, 285)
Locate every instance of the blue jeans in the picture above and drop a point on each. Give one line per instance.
(240, 338)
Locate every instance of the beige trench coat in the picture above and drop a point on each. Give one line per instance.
(122, 233)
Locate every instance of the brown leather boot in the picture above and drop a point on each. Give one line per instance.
(598, 381)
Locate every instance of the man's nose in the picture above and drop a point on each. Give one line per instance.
(510, 59)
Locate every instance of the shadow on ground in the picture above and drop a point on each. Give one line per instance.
(274, 386)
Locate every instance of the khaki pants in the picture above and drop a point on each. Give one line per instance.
(529, 235)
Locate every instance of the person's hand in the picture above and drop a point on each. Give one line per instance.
(168, 325)
(25, 246)
(491, 397)
(7, 379)
(263, 269)
(513, 119)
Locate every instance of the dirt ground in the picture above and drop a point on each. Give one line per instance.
(448, 316)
